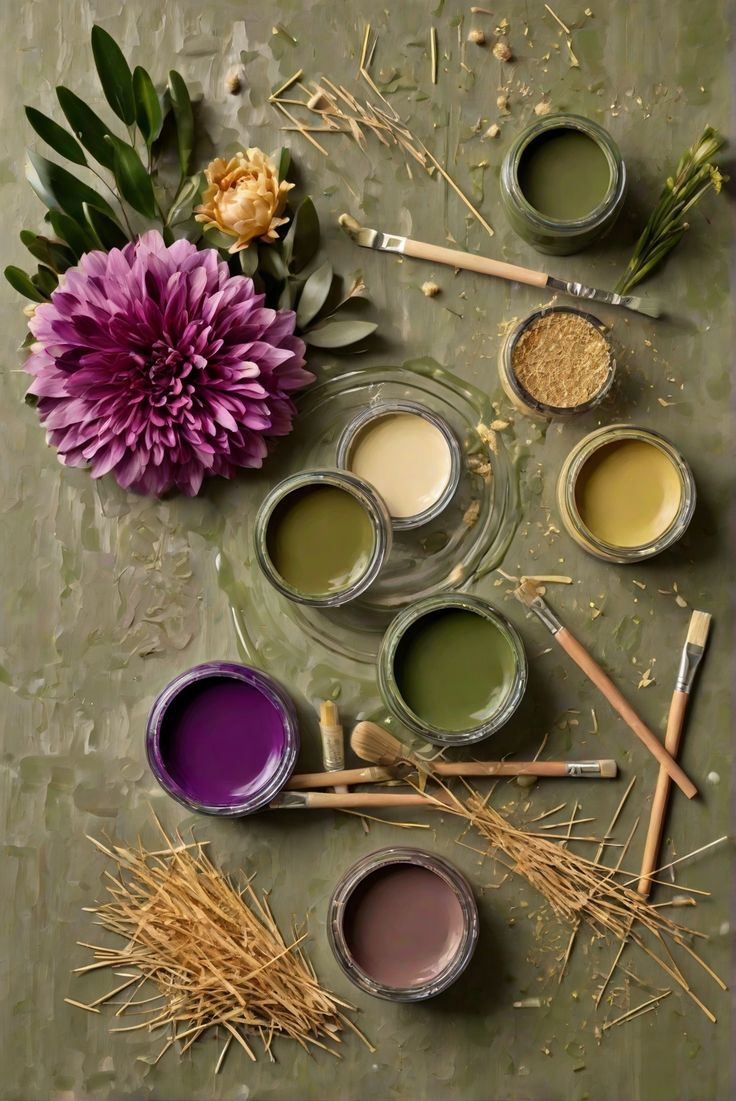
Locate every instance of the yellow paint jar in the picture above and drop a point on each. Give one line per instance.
(625, 493)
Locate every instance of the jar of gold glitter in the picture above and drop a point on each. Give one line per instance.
(556, 363)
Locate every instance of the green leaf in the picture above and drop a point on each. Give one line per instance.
(58, 256)
(286, 299)
(272, 262)
(338, 334)
(20, 282)
(106, 230)
(182, 108)
(56, 136)
(132, 179)
(60, 190)
(149, 115)
(114, 73)
(248, 260)
(186, 198)
(45, 280)
(77, 237)
(91, 130)
(215, 238)
(314, 295)
(302, 240)
(284, 163)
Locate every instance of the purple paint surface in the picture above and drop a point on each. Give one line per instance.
(403, 925)
(222, 740)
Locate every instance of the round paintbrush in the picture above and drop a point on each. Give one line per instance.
(372, 743)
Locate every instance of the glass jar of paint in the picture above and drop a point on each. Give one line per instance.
(563, 183)
(322, 537)
(403, 924)
(452, 669)
(409, 454)
(577, 362)
(625, 493)
(222, 739)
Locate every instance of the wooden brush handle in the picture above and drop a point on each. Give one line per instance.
(370, 775)
(675, 724)
(353, 800)
(500, 768)
(603, 682)
(454, 258)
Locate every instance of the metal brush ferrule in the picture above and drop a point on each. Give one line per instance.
(547, 616)
(389, 242)
(583, 768)
(689, 662)
(288, 800)
(579, 290)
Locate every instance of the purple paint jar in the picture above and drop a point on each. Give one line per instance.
(222, 739)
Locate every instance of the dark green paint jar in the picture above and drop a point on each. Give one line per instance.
(563, 183)
(452, 669)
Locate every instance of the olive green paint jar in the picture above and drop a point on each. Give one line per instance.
(452, 669)
(322, 537)
(563, 183)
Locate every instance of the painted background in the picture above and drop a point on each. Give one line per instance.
(105, 596)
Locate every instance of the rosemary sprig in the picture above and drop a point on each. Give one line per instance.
(693, 177)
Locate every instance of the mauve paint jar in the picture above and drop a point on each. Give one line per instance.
(403, 924)
(222, 739)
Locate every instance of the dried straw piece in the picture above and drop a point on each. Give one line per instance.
(214, 952)
(579, 890)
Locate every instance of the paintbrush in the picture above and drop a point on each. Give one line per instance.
(601, 770)
(484, 265)
(372, 743)
(333, 742)
(351, 800)
(529, 596)
(692, 655)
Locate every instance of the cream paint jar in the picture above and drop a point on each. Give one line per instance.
(408, 454)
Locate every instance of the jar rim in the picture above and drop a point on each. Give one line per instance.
(357, 425)
(391, 693)
(616, 165)
(213, 670)
(524, 396)
(584, 451)
(357, 874)
(374, 508)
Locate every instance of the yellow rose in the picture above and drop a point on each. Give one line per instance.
(244, 198)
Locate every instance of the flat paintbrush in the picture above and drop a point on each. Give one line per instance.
(529, 596)
(692, 655)
(484, 265)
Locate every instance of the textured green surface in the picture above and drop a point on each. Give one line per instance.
(105, 596)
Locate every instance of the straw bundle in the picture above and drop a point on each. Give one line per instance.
(581, 891)
(214, 953)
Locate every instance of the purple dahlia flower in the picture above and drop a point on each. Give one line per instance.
(154, 364)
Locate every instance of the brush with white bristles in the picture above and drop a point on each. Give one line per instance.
(692, 655)
(372, 743)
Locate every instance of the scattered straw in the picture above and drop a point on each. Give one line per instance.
(214, 954)
(433, 52)
(580, 891)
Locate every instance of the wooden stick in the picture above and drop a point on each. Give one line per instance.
(328, 800)
(675, 723)
(469, 261)
(378, 775)
(619, 703)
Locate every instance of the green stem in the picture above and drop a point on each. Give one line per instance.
(115, 196)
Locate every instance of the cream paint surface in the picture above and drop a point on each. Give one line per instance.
(406, 458)
(628, 493)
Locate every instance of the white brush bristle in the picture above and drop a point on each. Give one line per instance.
(697, 632)
(609, 769)
(372, 743)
